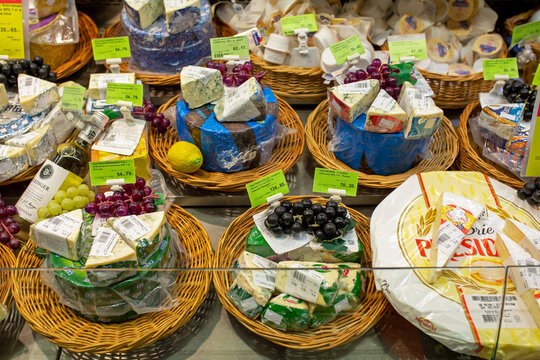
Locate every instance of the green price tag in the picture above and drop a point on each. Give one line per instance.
(233, 45)
(101, 171)
(124, 92)
(521, 32)
(493, 67)
(72, 98)
(272, 184)
(345, 48)
(536, 80)
(111, 48)
(407, 48)
(291, 23)
(325, 179)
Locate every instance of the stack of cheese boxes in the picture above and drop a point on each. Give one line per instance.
(517, 245)
(30, 132)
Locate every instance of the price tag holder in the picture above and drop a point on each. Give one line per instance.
(72, 98)
(345, 48)
(291, 23)
(325, 179)
(12, 29)
(111, 48)
(536, 80)
(500, 67)
(263, 188)
(407, 46)
(132, 93)
(230, 46)
(102, 172)
(521, 32)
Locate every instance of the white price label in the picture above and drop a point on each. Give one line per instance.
(384, 101)
(131, 227)
(104, 242)
(304, 284)
(484, 311)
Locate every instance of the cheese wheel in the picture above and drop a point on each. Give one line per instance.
(460, 69)
(462, 9)
(40, 32)
(440, 51)
(487, 46)
(462, 29)
(442, 10)
(410, 24)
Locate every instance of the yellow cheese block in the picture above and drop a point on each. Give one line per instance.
(97, 88)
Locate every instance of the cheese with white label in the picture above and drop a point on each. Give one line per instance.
(4, 100)
(287, 313)
(200, 85)
(143, 13)
(36, 95)
(385, 115)
(455, 217)
(245, 103)
(181, 14)
(39, 144)
(97, 88)
(528, 238)
(59, 234)
(61, 123)
(13, 161)
(423, 116)
(349, 101)
(501, 120)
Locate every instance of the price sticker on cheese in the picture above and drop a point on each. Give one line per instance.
(291, 23)
(407, 46)
(494, 67)
(230, 46)
(528, 31)
(11, 29)
(124, 92)
(325, 179)
(345, 48)
(119, 170)
(72, 98)
(270, 185)
(111, 48)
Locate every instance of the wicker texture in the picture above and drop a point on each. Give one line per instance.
(470, 156)
(286, 154)
(444, 147)
(39, 305)
(88, 30)
(520, 19)
(7, 262)
(337, 332)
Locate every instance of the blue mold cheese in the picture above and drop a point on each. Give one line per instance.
(349, 101)
(4, 100)
(501, 120)
(200, 85)
(385, 115)
(252, 289)
(318, 285)
(39, 144)
(423, 116)
(181, 14)
(59, 234)
(36, 95)
(97, 88)
(13, 161)
(246, 102)
(287, 313)
(143, 13)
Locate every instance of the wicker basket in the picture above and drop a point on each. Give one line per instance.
(286, 154)
(470, 156)
(444, 148)
(339, 331)
(39, 305)
(512, 22)
(7, 262)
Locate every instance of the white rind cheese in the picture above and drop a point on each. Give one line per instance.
(143, 13)
(352, 100)
(385, 115)
(245, 103)
(200, 85)
(39, 144)
(13, 161)
(423, 116)
(59, 234)
(36, 95)
(97, 88)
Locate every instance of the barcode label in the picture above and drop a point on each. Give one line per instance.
(341, 305)
(384, 101)
(28, 85)
(493, 298)
(448, 239)
(265, 278)
(304, 284)
(359, 87)
(485, 309)
(299, 276)
(273, 317)
(56, 221)
(131, 227)
(490, 318)
(249, 304)
(104, 242)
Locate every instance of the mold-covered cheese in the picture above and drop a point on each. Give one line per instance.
(352, 100)
(200, 85)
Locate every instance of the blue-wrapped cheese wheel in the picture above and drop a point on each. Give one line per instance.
(229, 147)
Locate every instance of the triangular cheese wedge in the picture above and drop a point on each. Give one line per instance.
(455, 217)
(528, 238)
(109, 248)
(59, 234)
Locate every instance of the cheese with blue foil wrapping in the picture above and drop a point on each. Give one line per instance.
(97, 88)
(245, 103)
(36, 95)
(143, 13)
(181, 14)
(351, 100)
(501, 120)
(39, 144)
(13, 161)
(385, 115)
(423, 116)
(200, 85)
(14, 122)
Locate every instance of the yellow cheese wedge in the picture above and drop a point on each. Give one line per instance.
(4, 100)
(526, 237)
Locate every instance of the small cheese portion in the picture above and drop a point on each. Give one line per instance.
(455, 217)
(59, 234)
(501, 120)
(4, 100)
(36, 95)
(61, 123)
(13, 161)
(245, 103)
(97, 88)
(39, 144)
(352, 100)
(526, 237)
(385, 115)
(423, 116)
(109, 248)
(181, 14)
(200, 85)
(286, 313)
(143, 13)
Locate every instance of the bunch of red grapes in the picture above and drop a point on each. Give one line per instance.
(8, 225)
(377, 71)
(240, 73)
(148, 110)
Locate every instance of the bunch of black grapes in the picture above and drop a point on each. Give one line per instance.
(530, 192)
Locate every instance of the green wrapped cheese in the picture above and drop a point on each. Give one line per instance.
(286, 313)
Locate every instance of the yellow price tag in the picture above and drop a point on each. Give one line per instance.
(11, 29)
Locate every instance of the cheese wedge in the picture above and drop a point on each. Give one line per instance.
(526, 237)
(245, 103)
(59, 234)
(180, 15)
(108, 248)
(352, 100)
(4, 100)
(39, 144)
(13, 161)
(423, 116)
(455, 217)
(143, 13)
(97, 88)
(61, 123)
(385, 115)
(36, 95)
(200, 85)
(501, 120)
(286, 313)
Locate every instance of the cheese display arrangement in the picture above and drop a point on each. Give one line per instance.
(166, 35)
(460, 306)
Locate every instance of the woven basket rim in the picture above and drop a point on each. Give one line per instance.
(234, 181)
(313, 71)
(61, 326)
(7, 262)
(470, 160)
(318, 150)
(339, 331)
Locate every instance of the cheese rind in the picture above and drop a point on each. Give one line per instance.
(385, 115)
(423, 116)
(352, 100)
(245, 103)
(39, 144)
(181, 14)
(143, 13)
(36, 95)
(526, 237)
(13, 161)
(60, 234)
(97, 88)
(200, 85)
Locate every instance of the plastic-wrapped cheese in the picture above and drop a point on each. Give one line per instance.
(200, 85)
(410, 24)
(60, 234)
(143, 13)
(487, 46)
(526, 237)
(36, 95)
(501, 120)
(39, 144)
(423, 116)
(440, 51)
(245, 103)
(462, 9)
(45, 8)
(351, 100)
(97, 88)
(61, 124)
(286, 313)
(13, 161)
(385, 115)
(181, 14)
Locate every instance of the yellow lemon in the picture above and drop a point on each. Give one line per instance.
(185, 157)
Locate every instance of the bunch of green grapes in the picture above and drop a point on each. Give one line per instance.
(65, 201)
